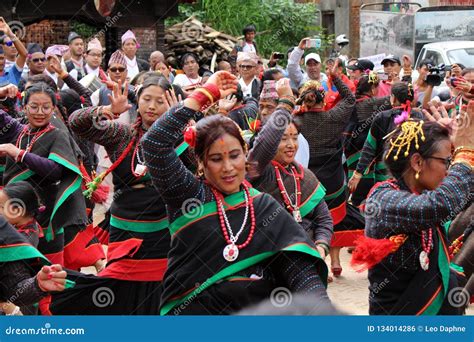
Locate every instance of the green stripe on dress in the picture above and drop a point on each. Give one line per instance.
(371, 140)
(25, 174)
(313, 200)
(209, 208)
(335, 194)
(139, 226)
(241, 265)
(21, 252)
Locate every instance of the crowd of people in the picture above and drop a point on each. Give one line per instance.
(220, 187)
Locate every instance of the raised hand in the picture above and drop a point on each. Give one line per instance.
(170, 99)
(283, 87)
(464, 127)
(304, 43)
(9, 90)
(55, 64)
(119, 99)
(227, 104)
(225, 81)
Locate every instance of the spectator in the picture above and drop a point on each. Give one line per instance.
(358, 68)
(190, 80)
(224, 66)
(130, 47)
(247, 63)
(94, 60)
(76, 48)
(13, 73)
(312, 62)
(155, 57)
(248, 44)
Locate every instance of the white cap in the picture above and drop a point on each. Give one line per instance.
(314, 56)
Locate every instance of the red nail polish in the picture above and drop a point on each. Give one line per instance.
(50, 276)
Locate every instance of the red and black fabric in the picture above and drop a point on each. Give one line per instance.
(65, 205)
(422, 292)
(93, 295)
(14, 248)
(356, 133)
(198, 270)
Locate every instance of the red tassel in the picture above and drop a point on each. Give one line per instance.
(101, 194)
(369, 252)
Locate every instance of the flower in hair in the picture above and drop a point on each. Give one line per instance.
(399, 119)
(190, 136)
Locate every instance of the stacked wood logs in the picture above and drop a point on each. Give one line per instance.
(194, 36)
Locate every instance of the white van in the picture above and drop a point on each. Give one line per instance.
(448, 53)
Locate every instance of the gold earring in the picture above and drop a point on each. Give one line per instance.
(417, 175)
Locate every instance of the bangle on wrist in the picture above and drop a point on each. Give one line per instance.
(463, 149)
(324, 246)
(466, 157)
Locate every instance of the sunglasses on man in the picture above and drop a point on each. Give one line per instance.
(117, 69)
(9, 43)
(37, 60)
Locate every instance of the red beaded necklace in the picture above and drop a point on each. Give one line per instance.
(427, 245)
(292, 208)
(231, 251)
(36, 136)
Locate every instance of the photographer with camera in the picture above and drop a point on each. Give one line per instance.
(427, 85)
(7, 38)
(312, 62)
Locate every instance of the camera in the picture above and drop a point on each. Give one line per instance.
(278, 55)
(436, 75)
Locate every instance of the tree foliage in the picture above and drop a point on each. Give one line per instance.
(280, 23)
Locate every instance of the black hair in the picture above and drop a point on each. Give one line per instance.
(40, 87)
(186, 56)
(426, 62)
(154, 80)
(402, 92)
(42, 78)
(434, 135)
(248, 29)
(365, 86)
(269, 74)
(137, 77)
(71, 101)
(467, 71)
(23, 195)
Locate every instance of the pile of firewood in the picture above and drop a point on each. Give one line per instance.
(194, 36)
